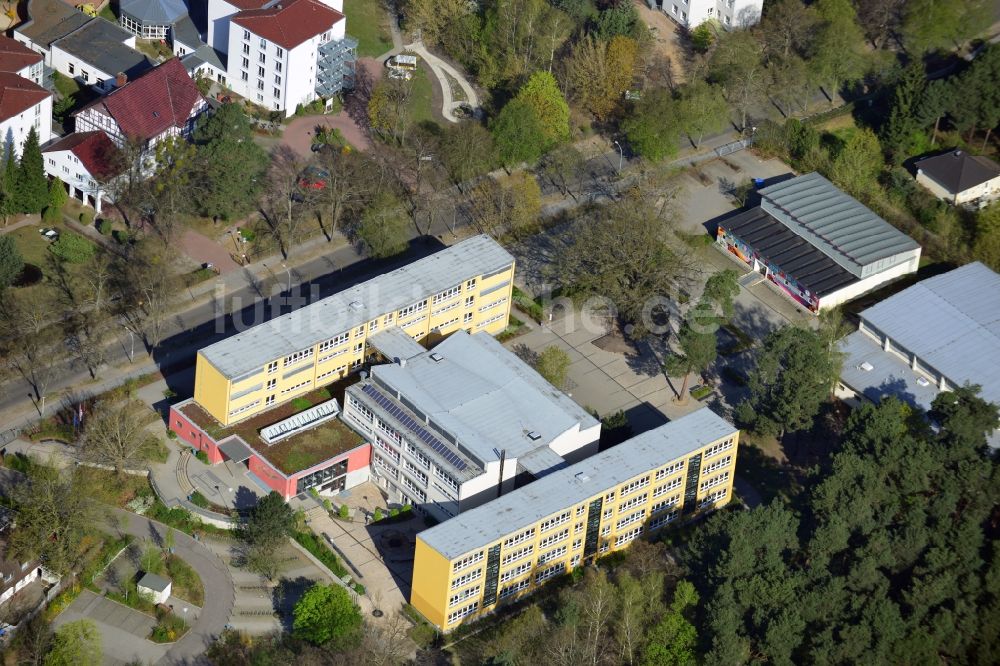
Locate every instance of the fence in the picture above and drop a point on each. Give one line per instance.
(734, 146)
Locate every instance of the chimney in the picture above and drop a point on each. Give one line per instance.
(121, 79)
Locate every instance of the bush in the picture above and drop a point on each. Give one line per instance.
(85, 218)
(311, 543)
(359, 588)
(327, 504)
(104, 227)
(139, 505)
(393, 512)
(199, 500)
(377, 516)
(345, 512)
(51, 214)
(73, 248)
(313, 493)
(202, 456)
(121, 236)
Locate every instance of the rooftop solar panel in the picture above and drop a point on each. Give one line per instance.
(408, 422)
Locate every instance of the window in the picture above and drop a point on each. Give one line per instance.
(269, 401)
(72, 68)
(581, 510)
(465, 579)
(635, 485)
(470, 284)
(263, 43)
(668, 470)
(716, 449)
(261, 58)
(577, 544)
(277, 93)
(85, 74)
(444, 476)
(711, 11)
(298, 356)
(260, 71)
(553, 539)
(278, 51)
(520, 538)
(610, 511)
(271, 383)
(467, 318)
(260, 98)
(393, 453)
(462, 612)
(466, 562)
(412, 469)
(246, 34)
(516, 555)
(519, 570)
(244, 76)
(260, 84)
(52, 162)
(277, 80)
(412, 487)
(277, 66)
(610, 497)
(554, 521)
(246, 49)
(470, 301)
(358, 348)
(577, 528)
(463, 595)
(272, 367)
(65, 169)
(246, 63)
(418, 454)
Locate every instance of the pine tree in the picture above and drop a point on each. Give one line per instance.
(32, 186)
(903, 123)
(8, 185)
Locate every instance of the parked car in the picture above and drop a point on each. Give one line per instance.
(313, 178)
(49, 233)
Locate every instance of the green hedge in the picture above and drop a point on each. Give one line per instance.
(311, 542)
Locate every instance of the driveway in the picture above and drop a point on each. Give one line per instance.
(219, 589)
(299, 134)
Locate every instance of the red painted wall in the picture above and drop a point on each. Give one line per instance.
(272, 477)
(188, 432)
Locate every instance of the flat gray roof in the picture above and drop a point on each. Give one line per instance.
(952, 323)
(50, 20)
(525, 506)
(889, 375)
(483, 395)
(394, 343)
(834, 222)
(250, 350)
(153, 582)
(101, 44)
(185, 32)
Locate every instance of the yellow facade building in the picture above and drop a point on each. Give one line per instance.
(507, 547)
(467, 286)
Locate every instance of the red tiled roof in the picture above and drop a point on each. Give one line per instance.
(15, 56)
(94, 150)
(160, 98)
(289, 24)
(248, 4)
(18, 94)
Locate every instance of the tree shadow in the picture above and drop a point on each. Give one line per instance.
(286, 594)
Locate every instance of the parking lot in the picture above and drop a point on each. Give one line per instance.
(123, 630)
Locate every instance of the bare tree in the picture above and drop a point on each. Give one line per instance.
(116, 435)
(147, 284)
(285, 196)
(29, 342)
(348, 186)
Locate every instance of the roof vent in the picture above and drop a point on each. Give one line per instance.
(866, 366)
(582, 477)
(958, 153)
(437, 358)
(533, 436)
(401, 361)
(355, 305)
(923, 381)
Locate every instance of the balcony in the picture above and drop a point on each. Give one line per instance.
(335, 66)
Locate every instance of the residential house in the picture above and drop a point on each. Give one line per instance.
(160, 103)
(960, 178)
(17, 58)
(198, 58)
(97, 54)
(727, 13)
(938, 335)
(289, 53)
(221, 12)
(48, 21)
(453, 427)
(16, 574)
(87, 162)
(817, 245)
(23, 104)
(508, 547)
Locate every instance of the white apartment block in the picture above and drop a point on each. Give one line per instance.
(288, 54)
(729, 13)
(23, 105)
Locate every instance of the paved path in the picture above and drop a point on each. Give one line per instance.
(299, 135)
(215, 576)
(438, 68)
(123, 630)
(204, 250)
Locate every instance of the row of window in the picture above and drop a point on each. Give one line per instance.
(447, 294)
(716, 449)
(519, 570)
(467, 561)
(667, 487)
(467, 593)
(555, 521)
(296, 387)
(551, 572)
(625, 537)
(520, 538)
(634, 502)
(516, 555)
(462, 612)
(713, 498)
(631, 518)
(714, 481)
(635, 485)
(553, 554)
(668, 470)
(552, 539)
(717, 465)
(298, 356)
(240, 410)
(465, 579)
(491, 320)
(514, 589)
(490, 306)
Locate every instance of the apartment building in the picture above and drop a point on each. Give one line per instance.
(452, 427)
(728, 13)
(508, 547)
(284, 358)
(24, 103)
(289, 53)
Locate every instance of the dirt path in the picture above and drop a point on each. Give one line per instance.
(668, 53)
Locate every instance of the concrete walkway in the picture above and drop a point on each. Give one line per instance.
(440, 67)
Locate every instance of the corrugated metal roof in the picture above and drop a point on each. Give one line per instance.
(328, 317)
(952, 323)
(525, 506)
(876, 374)
(472, 388)
(836, 223)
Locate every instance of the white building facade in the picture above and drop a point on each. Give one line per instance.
(85, 162)
(25, 105)
(729, 13)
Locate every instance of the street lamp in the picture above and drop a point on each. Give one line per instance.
(288, 271)
(131, 338)
(621, 156)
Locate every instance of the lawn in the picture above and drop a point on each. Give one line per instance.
(35, 250)
(368, 22)
(156, 50)
(422, 97)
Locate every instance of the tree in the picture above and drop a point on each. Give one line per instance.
(232, 164)
(702, 38)
(930, 25)
(389, 110)
(897, 134)
(627, 253)
(721, 289)
(788, 28)
(284, 201)
(11, 262)
(986, 247)
(966, 419)
(147, 285)
(352, 179)
(838, 54)
(432, 18)
(326, 614)
(880, 19)
(518, 37)
(858, 163)
(654, 128)
(518, 133)
(598, 73)
(564, 166)
(467, 151)
(620, 18)
(702, 108)
(32, 186)
(29, 344)
(937, 98)
(697, 343)
(794, 372)
(266, 528)
(504, 208)
(176, 187)
(57, 194)
(8, 184)
(52, 516)
(76, 643)
(116, 435)
(673, 639)
(541, 94)
(553, 364)
(737, 64)
(384, 230)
